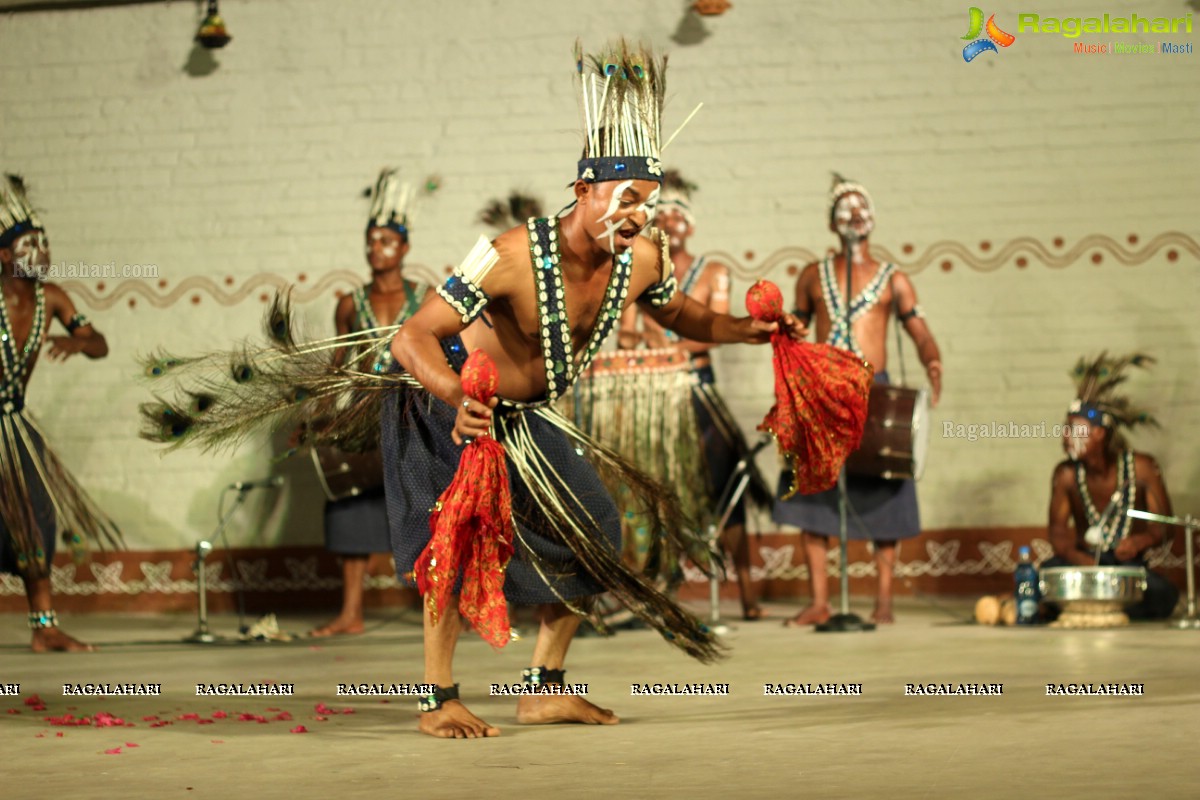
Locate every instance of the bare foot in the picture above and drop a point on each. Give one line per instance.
(813, 615)
(883, 615)
(454, 721)
(342, 625)
(547, 709)
(53, 640)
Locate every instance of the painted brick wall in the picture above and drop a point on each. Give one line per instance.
(258, 168)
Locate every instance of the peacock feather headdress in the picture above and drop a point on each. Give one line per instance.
(16, 213)
(393, 201)
(1096, 397)
(621, 91)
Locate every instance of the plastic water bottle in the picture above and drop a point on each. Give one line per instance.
(1028, 594)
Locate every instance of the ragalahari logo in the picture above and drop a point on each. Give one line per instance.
(995, 36)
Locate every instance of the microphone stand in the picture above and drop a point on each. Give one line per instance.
(735, 487)
(844, 621)
(202, 634)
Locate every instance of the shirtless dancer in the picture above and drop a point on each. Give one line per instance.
(532, 299)
(33, 510)
(887, 508)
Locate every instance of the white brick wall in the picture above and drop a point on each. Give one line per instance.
(258, 167)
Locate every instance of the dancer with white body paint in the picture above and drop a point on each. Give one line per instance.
(540, 300)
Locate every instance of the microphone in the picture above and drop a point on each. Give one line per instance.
(263, 483)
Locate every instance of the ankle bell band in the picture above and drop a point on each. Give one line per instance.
(42, 619)
(432, 702)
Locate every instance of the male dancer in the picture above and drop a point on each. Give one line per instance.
(357, 526)
(39, 495)
(540, 300)
(887, 508)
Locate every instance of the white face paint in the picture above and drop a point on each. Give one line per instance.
(852, 217)
(382, 248)
(1076, 440)
(610, 228)
(31, 254)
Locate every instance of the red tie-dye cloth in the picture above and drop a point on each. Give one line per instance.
(821, 396)
(472, 526)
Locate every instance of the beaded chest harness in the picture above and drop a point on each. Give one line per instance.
(1113, 523)
(562, 365)
(686, 286)
(364, 319)
(840, 334)
(15, 361)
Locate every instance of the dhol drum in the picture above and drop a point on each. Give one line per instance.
(896, 437)
(1092, 597)
(344, 474)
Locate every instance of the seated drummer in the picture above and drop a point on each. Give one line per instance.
(1102, 479)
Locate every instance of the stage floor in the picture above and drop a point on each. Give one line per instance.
(881, 743)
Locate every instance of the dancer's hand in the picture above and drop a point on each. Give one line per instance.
(63, 347)
(796, 329)
(474, 419)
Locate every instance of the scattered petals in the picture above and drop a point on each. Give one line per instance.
(130, 744)
(162, 723)
(34, 700)
(321, 708)
(189, 715)
(113, 751)
(282, 716)
(299, 729)
(347, 710)
(14, 711)
(40, 736)
(220, 714)
(151, 718)
(59, 735)
(319, 718)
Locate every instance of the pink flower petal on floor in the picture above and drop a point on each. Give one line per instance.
(38, 707)
(189, 715)
(40, 736)
(34, 700)
(206, 722)
(220, 714)
(321, 708)
(347, 710)
(14, 711)
(59, 735)
(282, 716)
(299, 729)
(130, 744)
(319, 718)
(113, 751)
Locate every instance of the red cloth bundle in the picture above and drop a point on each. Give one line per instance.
(472, 526)
(821, 396)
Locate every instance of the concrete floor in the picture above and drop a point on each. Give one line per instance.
(882, 744)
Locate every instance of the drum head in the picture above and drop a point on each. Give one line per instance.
(921, 425)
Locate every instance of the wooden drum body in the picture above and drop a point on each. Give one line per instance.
(896, 437)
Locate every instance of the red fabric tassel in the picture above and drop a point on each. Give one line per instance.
(472, 527)
(821, 396)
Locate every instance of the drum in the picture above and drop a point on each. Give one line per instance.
(1092, 597)
(896, 437)
(344, 475)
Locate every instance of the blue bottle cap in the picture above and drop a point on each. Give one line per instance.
(1023, 551)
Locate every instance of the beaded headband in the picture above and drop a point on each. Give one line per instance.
(621, 97)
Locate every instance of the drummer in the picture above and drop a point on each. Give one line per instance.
(357, 526)
(881, 510)
(1103, 478)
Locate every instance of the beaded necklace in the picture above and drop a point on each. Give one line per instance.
(365, 319)
(562, 365)
(15, 361)
(840, 334)
(1113, 523)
